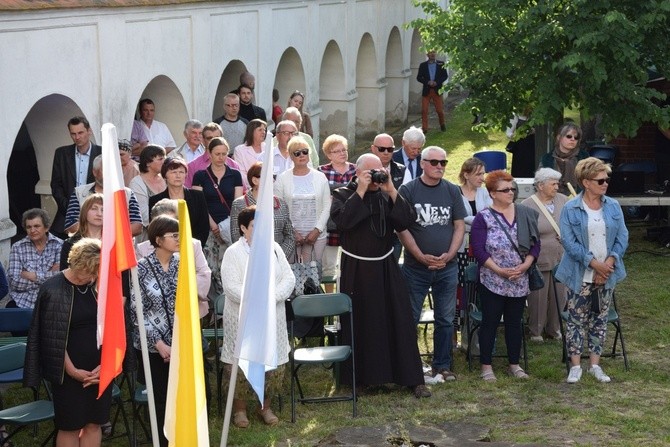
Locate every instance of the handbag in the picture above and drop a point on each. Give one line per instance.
(224, 225)
(535, 278)
(304, 271)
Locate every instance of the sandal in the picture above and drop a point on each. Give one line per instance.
(518, 373)
(488, 376)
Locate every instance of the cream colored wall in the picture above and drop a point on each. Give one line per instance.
(99, 62)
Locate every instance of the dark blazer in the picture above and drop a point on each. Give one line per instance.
(397, 173)
(423, 76)
(63, 175)
(397, 157)
(197, 211)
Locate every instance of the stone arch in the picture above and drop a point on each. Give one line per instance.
(416, 56)
(290, 76)
(170, 106)
(396, 84)
(333, 95)
(44, 128)
(368, 114)
(230, 80)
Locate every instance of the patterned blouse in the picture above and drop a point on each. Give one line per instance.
(488, 240)
(283, 225)
(336, 180)
(158, 310)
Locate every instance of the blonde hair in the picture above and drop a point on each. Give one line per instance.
(85, 256)
(333, 140)
(297, 143)
(590, 167)
(93, 199)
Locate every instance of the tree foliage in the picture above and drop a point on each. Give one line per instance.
(543, 56)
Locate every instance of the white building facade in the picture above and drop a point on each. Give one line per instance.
(353, 59)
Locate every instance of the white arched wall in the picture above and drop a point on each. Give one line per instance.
(229, 81)
(416, 56)
(290, 76)
(335, 101)
(170, 107)
(397, 82)
(369, 117)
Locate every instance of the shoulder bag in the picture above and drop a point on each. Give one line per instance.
(535, 278)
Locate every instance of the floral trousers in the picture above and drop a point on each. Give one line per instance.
(587, 318)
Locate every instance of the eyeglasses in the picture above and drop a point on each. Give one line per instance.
(442, 163)
(572, 137)
(343, 151)
(385, 149)
(300, 152)
(601, 181)
(506, 190)
(174, 236)
(287, 133)
(232, 105)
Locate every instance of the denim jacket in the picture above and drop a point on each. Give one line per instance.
(575, 240)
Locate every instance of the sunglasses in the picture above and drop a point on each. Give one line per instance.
(572, 137)
(442, 163)
(506, 190)
(300, 152)
(601, 181)
(385, 149)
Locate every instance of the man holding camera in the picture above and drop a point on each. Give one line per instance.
(431, 244)
(366, 213)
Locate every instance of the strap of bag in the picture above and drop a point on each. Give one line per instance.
(216, 188)
(502, 227)
(545, 211)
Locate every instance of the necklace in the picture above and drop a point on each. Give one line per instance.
(83, 292)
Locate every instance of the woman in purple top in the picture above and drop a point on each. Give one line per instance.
(502, 276)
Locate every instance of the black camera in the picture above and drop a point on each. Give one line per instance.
(378, 176)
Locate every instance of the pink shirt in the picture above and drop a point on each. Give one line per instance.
(246, 156)
(201, 163)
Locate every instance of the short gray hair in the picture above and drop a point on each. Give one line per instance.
(193, 124)
(545, 174)
(414, 135)
(425, 151)
(97, 162)
(164, 206)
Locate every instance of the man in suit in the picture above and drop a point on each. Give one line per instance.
(432, 75)
(72, 167)
(408, 155)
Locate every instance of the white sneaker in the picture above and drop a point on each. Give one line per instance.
(537, 338)
(575, 374)
(597, 372)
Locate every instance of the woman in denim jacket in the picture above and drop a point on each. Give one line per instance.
(595, 238)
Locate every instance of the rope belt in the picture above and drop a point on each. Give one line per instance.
(364, 258)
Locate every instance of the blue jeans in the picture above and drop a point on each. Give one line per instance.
(444, 283)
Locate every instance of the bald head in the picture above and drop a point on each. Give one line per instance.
(382, 147)
(368, 161)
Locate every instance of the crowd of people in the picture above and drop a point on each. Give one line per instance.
(353, 217)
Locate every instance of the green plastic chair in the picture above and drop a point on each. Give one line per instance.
(612, 317)
(314, 306)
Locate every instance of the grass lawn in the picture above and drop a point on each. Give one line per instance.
(632, 410)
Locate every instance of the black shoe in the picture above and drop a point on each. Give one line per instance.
(443, 128)
(421, 391)
(425, 131)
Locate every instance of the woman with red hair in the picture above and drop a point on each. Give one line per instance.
(506, 241)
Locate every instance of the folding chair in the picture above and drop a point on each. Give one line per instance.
(218, 340)
(117, 399)
(11, 365)
(473, 316)
(28, 414)
(321, 305)
(612, 317)
(17, 321)
(140, 405)
(427, 317)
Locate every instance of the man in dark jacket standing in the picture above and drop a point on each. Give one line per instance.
(432, 75)
(72, 167)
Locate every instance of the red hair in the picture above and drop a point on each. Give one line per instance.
(495, 177)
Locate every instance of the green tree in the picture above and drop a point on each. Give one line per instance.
(545, 56)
